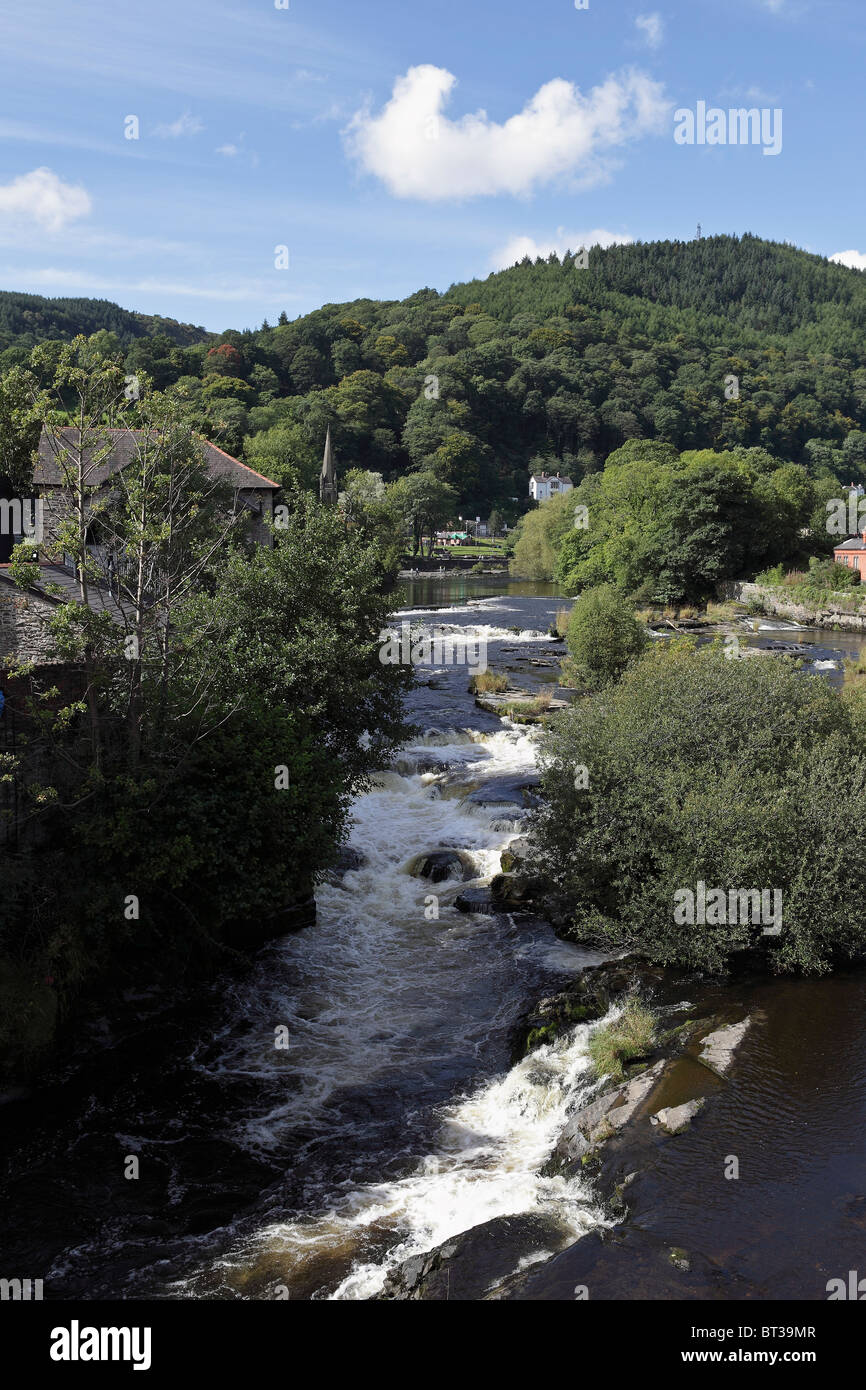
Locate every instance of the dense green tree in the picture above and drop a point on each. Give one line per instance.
(694, 769)
(603, 636)
(424, 502)
(725, 344)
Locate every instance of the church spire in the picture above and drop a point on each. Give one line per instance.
(328, 476)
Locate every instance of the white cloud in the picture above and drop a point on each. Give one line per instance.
(519, 246)
(855, 260)
(187, 124)
(43, 198)
(418, 152)
(228, 150)
(652, 27)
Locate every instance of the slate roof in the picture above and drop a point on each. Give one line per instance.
(852, 543)
(220, 464)
(549, 478)
(98, 596)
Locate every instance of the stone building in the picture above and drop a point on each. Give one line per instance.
(252, 490)
(23, 612)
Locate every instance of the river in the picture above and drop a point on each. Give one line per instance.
(395, 1117)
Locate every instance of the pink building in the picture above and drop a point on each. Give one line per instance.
(852, 552)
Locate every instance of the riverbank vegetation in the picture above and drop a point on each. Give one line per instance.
(668, 527)
(486, 682)
(631, 1035)
(701, 770)
(603, 635)
(177, 793)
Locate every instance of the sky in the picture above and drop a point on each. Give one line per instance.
(218, 163)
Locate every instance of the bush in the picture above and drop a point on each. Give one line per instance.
(823, 575)
(740, 775)
(603, 635)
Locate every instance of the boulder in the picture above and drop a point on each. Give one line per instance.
(516, 853)
(517, 791)
(467, 1266)
(439, 865)
(514, 891)
(476, 900)
(674, 1119)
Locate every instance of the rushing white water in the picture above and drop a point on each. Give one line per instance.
(485, 1164)
(474, 632)
(378, 992)
(491, 1148)
(348, 986)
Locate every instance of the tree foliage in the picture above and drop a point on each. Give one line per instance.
(741, 775)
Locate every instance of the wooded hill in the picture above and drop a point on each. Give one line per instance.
(28, 319)
(543, 365)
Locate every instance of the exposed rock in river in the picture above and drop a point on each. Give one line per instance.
(439, 865)
(674, 1119)
(468, 1265)
(717, 1049)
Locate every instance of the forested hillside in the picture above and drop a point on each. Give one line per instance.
(706, 344)
(28, 319)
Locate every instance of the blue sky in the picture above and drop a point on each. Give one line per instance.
(394, 144)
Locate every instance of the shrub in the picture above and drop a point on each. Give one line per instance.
(740, 775)
(603, 635)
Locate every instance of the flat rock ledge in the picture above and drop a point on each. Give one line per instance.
(470, 1265)
(718, 1048)
(596, 1122)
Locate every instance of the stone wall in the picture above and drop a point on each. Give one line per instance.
(781, 607)
(22, 625)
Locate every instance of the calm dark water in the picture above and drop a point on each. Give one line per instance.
(793, 1115)
(394, 1118)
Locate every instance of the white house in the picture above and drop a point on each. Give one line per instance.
(543, 486)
